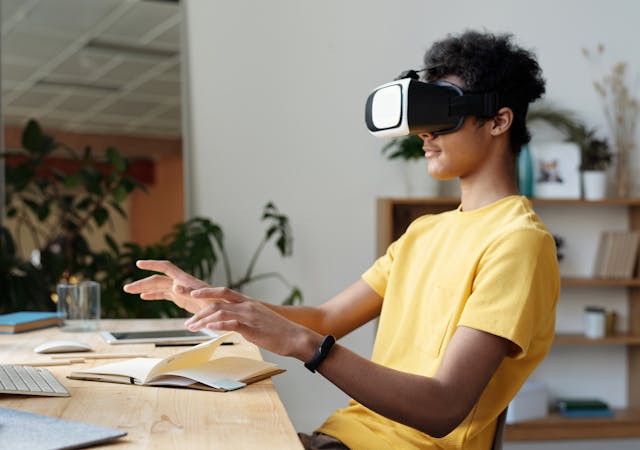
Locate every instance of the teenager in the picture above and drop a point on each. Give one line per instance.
(466, 298)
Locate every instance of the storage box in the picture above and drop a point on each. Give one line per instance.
(531, 402)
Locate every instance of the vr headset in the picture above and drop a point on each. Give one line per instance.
(408, 106)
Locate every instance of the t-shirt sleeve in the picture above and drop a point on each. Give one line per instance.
(515, 289)
(377, 275)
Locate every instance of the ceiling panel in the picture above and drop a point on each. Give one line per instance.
(72, 16)
(26, 44)
(142, 18)
(51, 69)
(81, 65)
(79, 102)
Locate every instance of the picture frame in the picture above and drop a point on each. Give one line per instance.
(556, 169)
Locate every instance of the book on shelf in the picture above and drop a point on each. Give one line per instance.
(617, 254)
(195, 368)
(20, 321)
(583, 407)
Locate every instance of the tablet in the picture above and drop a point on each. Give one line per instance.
(180, 336)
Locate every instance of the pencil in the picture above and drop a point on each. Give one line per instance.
(104, 356)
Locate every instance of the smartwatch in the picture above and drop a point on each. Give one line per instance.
(321, 353)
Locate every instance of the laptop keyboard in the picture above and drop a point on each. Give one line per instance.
(26, 380)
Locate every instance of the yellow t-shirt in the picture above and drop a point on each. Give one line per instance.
(493, 269)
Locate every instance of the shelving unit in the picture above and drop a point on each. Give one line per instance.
(395, 214)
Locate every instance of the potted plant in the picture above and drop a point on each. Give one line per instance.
(52, 211)
(621, 107)
(418, 182)
(595, 153)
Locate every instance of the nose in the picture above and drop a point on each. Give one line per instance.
(427, 136)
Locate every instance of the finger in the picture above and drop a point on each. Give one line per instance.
(211, 312)
(158, 295)
(222, 293)
(163, 266)
(152, 283)
(217, 315)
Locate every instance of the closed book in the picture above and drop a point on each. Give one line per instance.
(583, 407)
(577, 413)
(27, 320)
(196, 368)
(570, 404)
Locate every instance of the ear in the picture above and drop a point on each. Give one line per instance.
(502, 121)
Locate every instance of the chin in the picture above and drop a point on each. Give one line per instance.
(440, 176)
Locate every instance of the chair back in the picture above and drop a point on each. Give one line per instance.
(497, 438)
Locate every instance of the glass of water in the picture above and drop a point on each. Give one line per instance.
(79, 306)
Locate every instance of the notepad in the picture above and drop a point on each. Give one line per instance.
(196, 368)
(20, 430)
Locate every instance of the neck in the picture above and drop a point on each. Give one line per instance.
(493, 183)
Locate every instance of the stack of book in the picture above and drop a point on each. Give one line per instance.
(617, 254)
(584, 407)
(18, 322)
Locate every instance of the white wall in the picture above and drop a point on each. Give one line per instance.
(277, 95)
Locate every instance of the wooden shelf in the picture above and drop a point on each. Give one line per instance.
(579, 339)
(603, 282)
(538, 201)
(625, 424)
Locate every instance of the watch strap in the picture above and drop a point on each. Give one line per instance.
(321, 353)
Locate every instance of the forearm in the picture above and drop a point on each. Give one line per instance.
(311, 317)
(348, 310)
(391, 393)
(434, 405)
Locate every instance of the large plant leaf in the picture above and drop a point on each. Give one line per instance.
(35, 141)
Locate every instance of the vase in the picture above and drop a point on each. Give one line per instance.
(525, 172)
(622, 171)
(418, 182)
(594, 184)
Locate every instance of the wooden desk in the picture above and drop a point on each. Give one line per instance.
(156, 417)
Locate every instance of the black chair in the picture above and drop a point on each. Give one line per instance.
(500, 425)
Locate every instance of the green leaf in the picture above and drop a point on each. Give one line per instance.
(92, 178)
(101, 215)
(73, 180)
(120, 193)
(407, 148)
(118, 209)
(84, 204)
(33, 206)
(294, 297)
(32, 137)
(111, 243)
(44, 211)
(116, 160)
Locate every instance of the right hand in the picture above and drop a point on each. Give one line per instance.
(174, 285)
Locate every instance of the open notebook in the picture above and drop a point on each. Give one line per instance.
(195, 368)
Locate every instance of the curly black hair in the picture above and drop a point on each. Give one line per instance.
(490, 62)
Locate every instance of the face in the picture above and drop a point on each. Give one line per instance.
(461, 153)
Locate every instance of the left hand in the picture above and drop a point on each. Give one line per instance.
(254, 321)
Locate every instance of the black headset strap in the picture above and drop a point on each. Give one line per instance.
(486, 104)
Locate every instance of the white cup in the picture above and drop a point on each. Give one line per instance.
(595, 322)
(79, 306)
